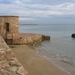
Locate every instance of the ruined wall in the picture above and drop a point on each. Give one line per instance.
(13, 25)
(9, 64)
(27, 38)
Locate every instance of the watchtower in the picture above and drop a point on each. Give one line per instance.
(8, 27)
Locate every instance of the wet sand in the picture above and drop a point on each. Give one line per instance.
(34, 64)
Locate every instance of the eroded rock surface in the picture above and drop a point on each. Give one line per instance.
(9, 64)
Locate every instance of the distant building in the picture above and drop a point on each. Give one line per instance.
(8, 27)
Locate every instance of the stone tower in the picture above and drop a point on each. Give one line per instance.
(8, 27)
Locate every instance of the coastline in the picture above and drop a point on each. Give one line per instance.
(34, 64)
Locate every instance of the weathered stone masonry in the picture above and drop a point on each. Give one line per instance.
(9, 31)
(8, 25)
(9, 65)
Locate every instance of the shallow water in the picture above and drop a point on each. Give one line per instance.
(60, 49)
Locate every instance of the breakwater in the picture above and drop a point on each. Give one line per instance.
(27, 39)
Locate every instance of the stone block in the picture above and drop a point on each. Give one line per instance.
(9, 36)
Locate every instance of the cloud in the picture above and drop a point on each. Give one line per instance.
(26, 19)
(65, 6)
(37, 8)
(9, 1)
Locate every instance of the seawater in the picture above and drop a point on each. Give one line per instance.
(60, 49)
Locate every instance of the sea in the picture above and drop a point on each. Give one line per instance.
(60, 50)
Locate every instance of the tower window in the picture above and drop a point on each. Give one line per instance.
(7, 27)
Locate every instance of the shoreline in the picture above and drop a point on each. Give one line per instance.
(66, 67)
(34, 64)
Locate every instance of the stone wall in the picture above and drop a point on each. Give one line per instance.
(9, 31)
(9, 65)
(27, 38)
(13, 25)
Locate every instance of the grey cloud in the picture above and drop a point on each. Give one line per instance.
(8, 1)
(51, 2)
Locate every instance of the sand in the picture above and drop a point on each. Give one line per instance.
(34, 64)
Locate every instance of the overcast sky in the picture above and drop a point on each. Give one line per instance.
(40, 11)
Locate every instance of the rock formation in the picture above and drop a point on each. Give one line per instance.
(73, 35)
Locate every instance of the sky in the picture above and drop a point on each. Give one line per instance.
(40, 11)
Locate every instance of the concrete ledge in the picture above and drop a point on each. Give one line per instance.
(9, 64)
(45, 37)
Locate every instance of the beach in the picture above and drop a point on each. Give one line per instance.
(60, 50)
(34, 64)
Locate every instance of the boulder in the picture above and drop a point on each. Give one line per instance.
(73, 35)
(45, 37)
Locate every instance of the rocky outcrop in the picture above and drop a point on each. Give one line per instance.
(9, 64)
(45, 37)
(73, 35)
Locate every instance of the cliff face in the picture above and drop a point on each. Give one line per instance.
(9, 64)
